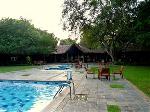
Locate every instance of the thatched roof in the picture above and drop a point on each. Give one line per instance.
(61, 49)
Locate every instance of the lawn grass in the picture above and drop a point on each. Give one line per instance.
(4, 69)
(113, 108)
(116, 86)
(94, 69)
(137, 75)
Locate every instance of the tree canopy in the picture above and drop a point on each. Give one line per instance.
(109, 23)
(67, 41)
(19, 36)
(87, 39)
(142, 25)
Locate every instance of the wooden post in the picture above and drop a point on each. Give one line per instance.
(83, 58)
(67, 58)
(78, 55)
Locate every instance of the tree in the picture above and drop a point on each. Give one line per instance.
(67, 41)
(47, 42)
(110, 21)
(87, 39)
(142, 25)
(21, 37)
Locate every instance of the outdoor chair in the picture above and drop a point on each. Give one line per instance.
(119, 72)
(69, 83)
(104, 72)
(88, 71)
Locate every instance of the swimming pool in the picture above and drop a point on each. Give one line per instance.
(21, 96)
(59, 67)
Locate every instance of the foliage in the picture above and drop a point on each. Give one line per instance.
(110, 21)
(21, 37)
(47, 43)
(87, 39)
(142, 25)
(67, 41)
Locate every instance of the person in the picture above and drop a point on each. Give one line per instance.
(102, 64)
(80, 64)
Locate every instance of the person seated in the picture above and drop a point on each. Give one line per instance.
(78, 64)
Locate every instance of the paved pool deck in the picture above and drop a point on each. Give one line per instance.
(91, 95)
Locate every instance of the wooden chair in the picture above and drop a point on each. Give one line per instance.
(119, 72)
(104, 72)
(88, 71)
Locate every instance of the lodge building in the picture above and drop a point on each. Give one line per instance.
(71, 53)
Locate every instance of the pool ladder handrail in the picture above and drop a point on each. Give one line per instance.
(67, 83)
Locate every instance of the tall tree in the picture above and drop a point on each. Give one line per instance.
(87, 39)
(110, 20)
(47, 42)
(142, 25)
(21, 37)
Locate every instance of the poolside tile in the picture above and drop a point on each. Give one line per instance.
(100, 94)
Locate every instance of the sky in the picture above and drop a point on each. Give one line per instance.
(44, 14)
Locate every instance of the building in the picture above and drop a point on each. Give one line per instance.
(71, 53)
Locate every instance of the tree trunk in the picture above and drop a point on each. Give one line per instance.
(112, 58)
(110, 52)
(111, 55)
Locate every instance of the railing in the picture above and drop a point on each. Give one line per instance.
(67, 84)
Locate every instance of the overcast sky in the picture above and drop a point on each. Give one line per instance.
(44, 14)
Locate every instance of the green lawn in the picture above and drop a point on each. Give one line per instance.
(4, 69)
(116, 86)
(113, 108)
(138, 75)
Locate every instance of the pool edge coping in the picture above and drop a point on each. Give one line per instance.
(53, 105)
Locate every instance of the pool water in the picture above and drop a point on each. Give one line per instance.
(59, 67)
(20, 96)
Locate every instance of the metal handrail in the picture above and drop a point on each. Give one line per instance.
(67, 83)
